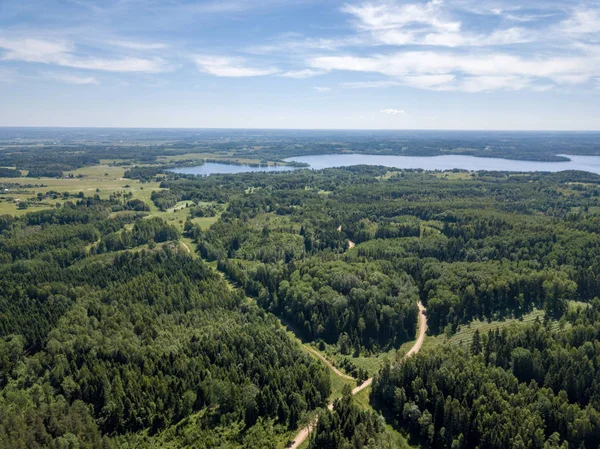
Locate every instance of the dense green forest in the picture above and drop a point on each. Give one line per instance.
(122, 327)
(528, 387)
(485, 246)
(108, 331)
(347, 426)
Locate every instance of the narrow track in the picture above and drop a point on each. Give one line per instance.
(328, 363)
(305, 432)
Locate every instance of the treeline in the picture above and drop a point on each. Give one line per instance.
(347, 426)
(528, 386)
(9, 173)
(145, 174)
(52, 171)
(456, 293)
(151, 230)
(355, 306)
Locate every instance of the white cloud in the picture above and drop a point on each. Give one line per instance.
(322, 89)
(35, 50)
(542, 87)
(294, 43)
(393, 111)
(142, 46)
(582, 21)
(425, 24)
(392, 16)
(302, 74)
(72, 79)
(491, 83)
(433, 82)
(230, 67)
(443, 70)
(370, 84)
(62, 53)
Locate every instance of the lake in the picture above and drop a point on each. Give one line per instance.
(449, 162)
(212, 168)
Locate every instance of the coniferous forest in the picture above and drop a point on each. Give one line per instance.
(120, 328)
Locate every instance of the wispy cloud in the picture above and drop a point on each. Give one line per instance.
(297, 43)
(142, 46)
(425, 24)
(370, 84)
(443, 70)
(230, 67)
(583, 21)
(302, 74)
(393, 112)
(70, 78)
(322, 89)
(459, 45)
(62, 53)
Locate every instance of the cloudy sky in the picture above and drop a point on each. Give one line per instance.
(454, 64)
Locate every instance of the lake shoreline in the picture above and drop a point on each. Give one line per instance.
(589, 164)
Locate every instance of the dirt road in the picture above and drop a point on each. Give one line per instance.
(328, 363)
(422, 329)
(303, 434)
(351, 244)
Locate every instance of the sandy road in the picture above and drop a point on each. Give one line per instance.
(328, 363)
(303, 434)
(422, 329)
(351, 244)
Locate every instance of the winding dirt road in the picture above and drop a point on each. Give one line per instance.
(303, 434)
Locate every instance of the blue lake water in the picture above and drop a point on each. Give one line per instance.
(212, 168)
(449, 162)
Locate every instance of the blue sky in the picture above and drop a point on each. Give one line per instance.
(461, 64)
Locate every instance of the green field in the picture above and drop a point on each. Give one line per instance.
(102, 180)
(464, 334)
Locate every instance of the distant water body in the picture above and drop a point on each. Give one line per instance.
(448, 162)
(212, 168)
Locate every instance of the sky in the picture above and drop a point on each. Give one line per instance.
(301, 64)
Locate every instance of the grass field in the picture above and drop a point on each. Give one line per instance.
(369, 363)
(464, 335)
(178, 214)
(102, 180)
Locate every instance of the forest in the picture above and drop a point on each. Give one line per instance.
(169, 316)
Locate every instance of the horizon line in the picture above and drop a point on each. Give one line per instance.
(298, 129)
